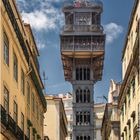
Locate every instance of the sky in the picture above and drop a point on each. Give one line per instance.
(46, 19)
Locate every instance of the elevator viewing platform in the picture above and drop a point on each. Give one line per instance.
(82, 36)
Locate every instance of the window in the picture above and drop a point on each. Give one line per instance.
(129, 127)
(22, 121)
(83, 73)
(134, 118)
(122, 113)
(15, 112)
(133, 85)
(77, 74)
(77, 95)
(80, 73)
(22, 81)
(6, 49)
(15, 67)
(125, 106)
(70, 136)
(82, 19)
(77, 138)
(83, 118)
(37, 110)
(82, 95)
(128, 96)
(28, 131)
(28, 93)
(6, 99)
(33, 102)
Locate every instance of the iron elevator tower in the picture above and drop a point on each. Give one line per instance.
(82, 50)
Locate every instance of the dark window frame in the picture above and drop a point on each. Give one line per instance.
(6, 48)
(6, 99)
(15, 67)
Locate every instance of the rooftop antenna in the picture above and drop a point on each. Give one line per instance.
(44, 80)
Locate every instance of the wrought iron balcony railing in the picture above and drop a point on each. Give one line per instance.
(83, 28)
(19, 133)
(3, 115)
(11, 125)
(99, 47)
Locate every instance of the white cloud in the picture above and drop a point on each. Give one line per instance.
(40, 46)
(46, 17)
(112, 31)
(39, 20)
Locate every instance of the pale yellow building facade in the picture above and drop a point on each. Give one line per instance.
(99, 113)
(55, 121)
(22, 102)
(129, 98)
(111, 121)
(67, 101)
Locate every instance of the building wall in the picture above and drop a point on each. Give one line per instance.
(98, 112)
(67, 100)
(55, 122)
(129, 95)
(111, 122)
(51, 123)
(8, 81)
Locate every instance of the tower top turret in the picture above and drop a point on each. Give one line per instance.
(80, 4)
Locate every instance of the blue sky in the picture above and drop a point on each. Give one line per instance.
(46, 19)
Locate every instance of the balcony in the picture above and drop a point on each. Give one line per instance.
(19, 133)
(3, 116)
(68, 47)
(11, 125)
(83, 28)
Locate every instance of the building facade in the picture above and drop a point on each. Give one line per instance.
(67, 101)
(98, 112)
(82, 51)
(129, 98)
(55, 122)
(111, 120)
(22, 103)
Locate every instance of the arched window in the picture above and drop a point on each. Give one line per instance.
(88, 74)
(77, 73)
(88, 117)
(77, 138)
(80, 73)
(85, 113)
(88, 95)
(88, 138)
(77, 96)
(81, 95)
(84, 96)
(77, 118)
(85, 138)
(81, 117)
(85, 74)
(81, 138)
